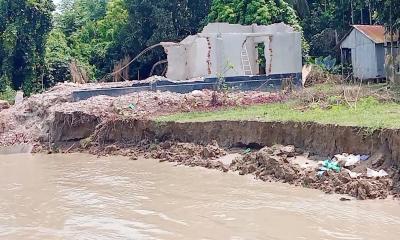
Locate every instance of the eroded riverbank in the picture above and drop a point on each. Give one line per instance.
(52, 122)
(79, 196)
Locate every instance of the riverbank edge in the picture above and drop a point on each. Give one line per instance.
(81, 132)
(319, 139)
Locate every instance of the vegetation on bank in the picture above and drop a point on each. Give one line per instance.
(325, 107)
(8, 95)
(86, 39)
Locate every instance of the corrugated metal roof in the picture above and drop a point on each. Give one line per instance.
(374, 32)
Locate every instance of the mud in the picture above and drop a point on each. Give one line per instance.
(277, 163)
(319, 139)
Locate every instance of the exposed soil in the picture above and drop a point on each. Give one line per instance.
(101, 125)
(30, 122)
(277, 163)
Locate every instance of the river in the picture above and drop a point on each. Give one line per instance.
(82, 197)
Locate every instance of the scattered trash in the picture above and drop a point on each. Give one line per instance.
(247, 151)
(353, 174)
(19, 97)
(343, 199)
(132, 106)
(373, 173)
(198, 93)
(348, 160)
(364, 157)
(328, 165)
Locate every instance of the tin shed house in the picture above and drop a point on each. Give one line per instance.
(363, 46)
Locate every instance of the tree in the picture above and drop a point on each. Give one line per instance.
(253, 11)
(263, 12)
(23, 33)
(89, 29)
(152, 21)
(301, 6)
(57, 58)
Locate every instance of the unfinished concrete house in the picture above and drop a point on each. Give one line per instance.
(232, 50)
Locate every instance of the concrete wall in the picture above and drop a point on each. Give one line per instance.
(283, 53)
(176, 56)
(363, 55)
(226, 28)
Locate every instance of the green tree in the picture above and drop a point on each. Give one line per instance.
(263, 12)
(152, 21)
(253, 11)
(89, 29)
(57, 58)
(24, 28)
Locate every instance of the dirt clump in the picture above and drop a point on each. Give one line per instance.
(276, 163)
(4, 105)
(190, 154)
(269, 164)
(361, 188)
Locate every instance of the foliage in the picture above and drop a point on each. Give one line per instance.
(23, 33)
(388, 13)
(170, 20)
(248, 12)
(8, 94)
(85, 30)
(326, 63)
(58, 57)
(253, 11)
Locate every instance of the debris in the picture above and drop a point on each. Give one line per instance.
(364, 157)
(248, 150)
(348, 160)
(132, 106)
(372, 173)
(330, 165)
(19, 97)
(28, 121)
(352, 174)
(198, 94)
(343, 199)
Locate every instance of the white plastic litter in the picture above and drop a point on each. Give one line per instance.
(373, 173)
(199, 94)
(349, 160)
(352, 174)
(19, 97)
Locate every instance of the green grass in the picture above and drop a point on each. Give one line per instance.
(8, 95)
(367, 113)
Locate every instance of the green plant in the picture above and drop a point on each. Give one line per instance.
(8, 94)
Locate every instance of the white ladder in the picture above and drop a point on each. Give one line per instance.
(246, 61)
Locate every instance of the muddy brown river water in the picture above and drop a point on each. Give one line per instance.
(82, 197)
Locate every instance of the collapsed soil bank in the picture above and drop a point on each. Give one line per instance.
(201, 142)
(324, 140)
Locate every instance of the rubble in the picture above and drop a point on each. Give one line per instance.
(190, 154)
(276, 164)
(29, 121)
